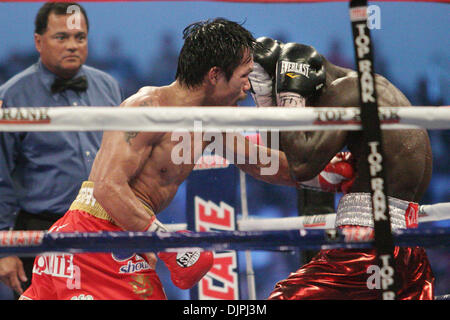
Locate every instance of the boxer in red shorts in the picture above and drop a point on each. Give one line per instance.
(134, 176)
(296, 75)
(87, 276)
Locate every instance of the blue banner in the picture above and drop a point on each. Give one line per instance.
(212, 205)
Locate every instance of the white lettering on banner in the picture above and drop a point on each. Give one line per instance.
(24, 115)
(56, 265)
(209, 216)
(362, 42)
(21, 238)
(367, 84)
(378, 198)
(222, 281)
(317, 221)
(386, 272)
(352, 115)
(331, 115)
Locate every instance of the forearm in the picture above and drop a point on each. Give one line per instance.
(266, 164)
(126, 210)
(297, 145)
(300, 152)
(276, 172)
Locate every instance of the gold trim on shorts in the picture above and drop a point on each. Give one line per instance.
(86, 202)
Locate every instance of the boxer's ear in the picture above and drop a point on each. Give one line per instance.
(214, 75)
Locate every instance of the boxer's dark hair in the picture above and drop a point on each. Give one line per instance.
(212, 43)
(58, 8)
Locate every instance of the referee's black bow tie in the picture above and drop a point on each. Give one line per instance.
(77, 84)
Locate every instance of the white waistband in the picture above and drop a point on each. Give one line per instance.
(356, 209)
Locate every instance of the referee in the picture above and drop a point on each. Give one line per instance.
(41, 172)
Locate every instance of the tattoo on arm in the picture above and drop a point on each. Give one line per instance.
(129, 135)
(146, 103)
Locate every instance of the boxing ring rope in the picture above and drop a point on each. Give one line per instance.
(169, 119)
(253, 234)
(427, 213)
(37, 242)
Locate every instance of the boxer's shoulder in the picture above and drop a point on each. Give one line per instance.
(342, 92)
(145, 97)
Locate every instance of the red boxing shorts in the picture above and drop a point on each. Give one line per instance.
(92, 276)
(353, 274)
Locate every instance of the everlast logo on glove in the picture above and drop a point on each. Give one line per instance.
(300, 70)
(297, 68)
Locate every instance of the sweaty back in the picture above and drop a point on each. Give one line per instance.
(407, 153)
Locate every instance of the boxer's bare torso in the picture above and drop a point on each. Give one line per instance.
(408, 158)
(135, 174)
(154, 178)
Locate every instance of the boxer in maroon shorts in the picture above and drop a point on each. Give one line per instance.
(353, 274)
(296, 75)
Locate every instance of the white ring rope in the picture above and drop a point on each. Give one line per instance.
(168, 119)
(427, 213)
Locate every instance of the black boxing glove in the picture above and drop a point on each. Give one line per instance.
(262, 78)
(300, 72)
